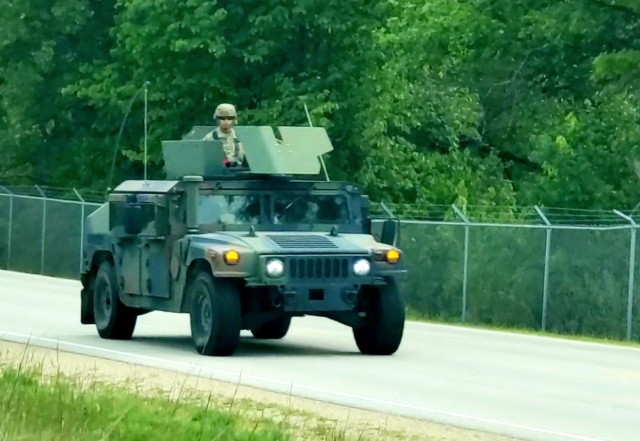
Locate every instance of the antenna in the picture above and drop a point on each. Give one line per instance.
(324, 167)
(308, 116)
(636, 166)
(124, 120)
(146, 83)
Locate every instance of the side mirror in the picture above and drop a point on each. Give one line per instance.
(366, 225)
(390, 230)
(133, 219)
(364, 213)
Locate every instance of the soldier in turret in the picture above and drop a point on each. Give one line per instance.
(226, 115)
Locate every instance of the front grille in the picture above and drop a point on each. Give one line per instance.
(293, 241)
(318, 268)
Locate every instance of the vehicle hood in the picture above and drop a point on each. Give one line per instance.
(292, 242)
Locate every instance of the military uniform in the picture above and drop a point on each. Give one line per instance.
(232, 147)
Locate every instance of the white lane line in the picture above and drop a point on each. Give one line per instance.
(259, 381)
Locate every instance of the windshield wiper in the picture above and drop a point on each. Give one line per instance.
(306, 193)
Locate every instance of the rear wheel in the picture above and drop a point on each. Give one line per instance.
(275, 329)
(384, 326)
(114, 320)
(216, 315)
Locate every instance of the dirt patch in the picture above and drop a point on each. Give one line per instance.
(318, 420)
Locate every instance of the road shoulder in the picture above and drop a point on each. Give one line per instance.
(313, 416)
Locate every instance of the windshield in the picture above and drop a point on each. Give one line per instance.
(301, 208)
(229, 209)
(288, 209)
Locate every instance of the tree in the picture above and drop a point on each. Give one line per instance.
(42, 42)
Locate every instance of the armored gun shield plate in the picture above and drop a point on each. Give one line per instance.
(198, 132)
(192, 157)
(302, 147)
(261, 149)
(296, 154)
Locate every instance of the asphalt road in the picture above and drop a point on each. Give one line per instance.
(530, 387)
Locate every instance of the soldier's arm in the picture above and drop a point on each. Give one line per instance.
(240, 150)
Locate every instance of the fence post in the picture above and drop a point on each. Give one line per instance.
(81, 226)
(44, 227)
(9, 233)
(465, 268)
(632, 265)
(547, 257)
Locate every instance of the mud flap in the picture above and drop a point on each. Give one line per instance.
(86, 307)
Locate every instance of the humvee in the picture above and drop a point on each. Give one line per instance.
(244, 248)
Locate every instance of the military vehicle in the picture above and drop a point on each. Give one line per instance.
(243, 248)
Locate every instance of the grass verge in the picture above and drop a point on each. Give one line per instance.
(52, 395)
(418, 317)
(66, 408)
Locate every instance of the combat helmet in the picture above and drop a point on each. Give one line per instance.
(225, 109)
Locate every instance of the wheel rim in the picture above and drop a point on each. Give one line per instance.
(103, 303)
(203, 317)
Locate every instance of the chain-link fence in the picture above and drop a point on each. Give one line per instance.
(569, 279)
(41, 229)
(565, 273)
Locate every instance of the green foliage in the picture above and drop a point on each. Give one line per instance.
(477, 103)
(587, 155)
(470, 102)
(42, 42)
(198, 54)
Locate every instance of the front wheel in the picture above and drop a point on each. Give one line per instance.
(114, 320)
(216, 315)
(382, 332)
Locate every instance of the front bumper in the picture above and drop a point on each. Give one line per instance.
(319, 283)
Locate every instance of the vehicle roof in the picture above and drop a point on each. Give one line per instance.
(253, 183)
(148, 186)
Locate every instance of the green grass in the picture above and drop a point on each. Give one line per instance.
(49, 399)
(418, 317)
(35, 405)
(62, 408)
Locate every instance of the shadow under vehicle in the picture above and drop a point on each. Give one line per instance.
(241, 248)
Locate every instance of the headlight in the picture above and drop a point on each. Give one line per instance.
(275, 268)
(361, 267)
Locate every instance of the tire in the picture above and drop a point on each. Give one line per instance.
(275, 329)
(382, 333)
(114, 320)
(215, 315)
